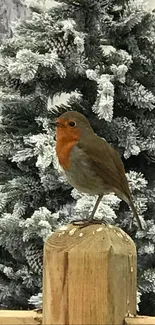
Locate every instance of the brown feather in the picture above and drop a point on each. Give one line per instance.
(106, 162)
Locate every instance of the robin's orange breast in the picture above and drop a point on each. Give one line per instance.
(66, 140)
(63, 153)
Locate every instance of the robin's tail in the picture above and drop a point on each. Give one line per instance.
(136, 214)
(127, 198)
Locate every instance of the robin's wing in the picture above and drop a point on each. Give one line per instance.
(106, 162)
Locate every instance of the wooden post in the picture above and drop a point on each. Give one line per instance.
(140, 320)
(89, 276)
(20, 317)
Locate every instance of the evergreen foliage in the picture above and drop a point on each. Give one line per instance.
(96, 57)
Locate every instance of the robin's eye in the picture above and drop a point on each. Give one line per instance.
(72, 124)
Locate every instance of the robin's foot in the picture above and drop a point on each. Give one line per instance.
(86, 222)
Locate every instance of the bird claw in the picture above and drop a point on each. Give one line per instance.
(87, 222)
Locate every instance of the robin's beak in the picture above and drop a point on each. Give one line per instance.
(55, 123)
(59, 124)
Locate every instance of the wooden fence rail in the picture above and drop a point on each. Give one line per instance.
(89, 278)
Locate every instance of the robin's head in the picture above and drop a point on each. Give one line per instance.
(72, 125)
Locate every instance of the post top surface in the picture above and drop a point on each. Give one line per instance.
(94, 238)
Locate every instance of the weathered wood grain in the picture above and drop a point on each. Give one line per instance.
(89, 276)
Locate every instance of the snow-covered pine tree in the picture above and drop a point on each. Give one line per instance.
(96, 57)
(10, 10)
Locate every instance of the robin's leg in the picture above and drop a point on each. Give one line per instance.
(131, 222)
(90, 220)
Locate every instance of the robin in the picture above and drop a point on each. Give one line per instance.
(90, 163)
